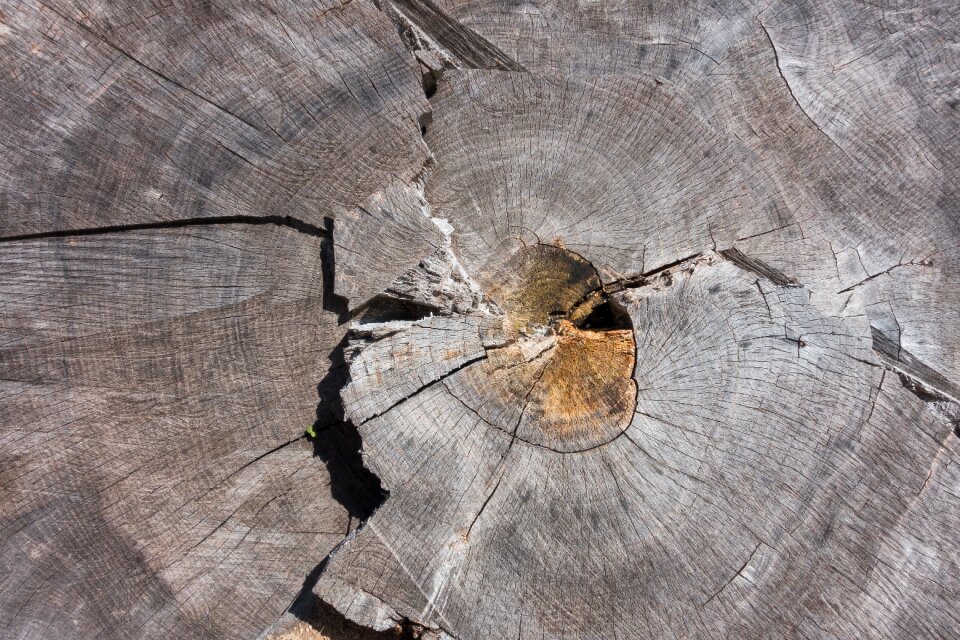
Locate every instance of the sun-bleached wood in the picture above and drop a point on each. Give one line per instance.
(646, 315)
(122, 113)
(155, 479)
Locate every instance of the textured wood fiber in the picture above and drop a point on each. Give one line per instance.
(645, 315)
(752, 493)
(850, 109)
(128, 113)
(155, 480)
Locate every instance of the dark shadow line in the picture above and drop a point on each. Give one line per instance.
(282, 221)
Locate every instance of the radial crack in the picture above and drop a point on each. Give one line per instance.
(921, 379)
(776, 58)
(464, 46)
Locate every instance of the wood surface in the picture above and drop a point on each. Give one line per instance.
(376, 319)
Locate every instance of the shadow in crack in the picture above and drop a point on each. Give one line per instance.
(318, 620)
(331, 301)
(607, 316)
(359, 490)
(339, 445)
(335, 441)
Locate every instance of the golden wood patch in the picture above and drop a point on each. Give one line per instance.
(567, 380)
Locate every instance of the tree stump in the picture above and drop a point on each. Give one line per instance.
(415, 318)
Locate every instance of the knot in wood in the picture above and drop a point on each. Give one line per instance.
(570, 369)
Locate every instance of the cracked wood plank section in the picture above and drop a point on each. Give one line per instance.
(121, 113)
(611, 319)
(761, 465)
(155, 478)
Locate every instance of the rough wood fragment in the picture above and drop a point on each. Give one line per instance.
(378, 241)
(459, 44)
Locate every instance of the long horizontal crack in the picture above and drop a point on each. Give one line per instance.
(282, 221)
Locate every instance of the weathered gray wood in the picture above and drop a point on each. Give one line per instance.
(124, 113)
(772, 459)
(155, 390)
(568, 171)
(768, 460)
(850, 108)
(648, 320)
(380, 240)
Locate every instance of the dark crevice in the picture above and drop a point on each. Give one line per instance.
(653, 272)
(331, 301)
(386, 308)
(429, 89)
(282, 221)
(354, 486)
(426, 119)
(596, 310)
(607, 317)
(323, 617)
(333, 624)
(337, 442)
(304, 605)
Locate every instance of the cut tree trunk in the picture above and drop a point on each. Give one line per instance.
(479, 320)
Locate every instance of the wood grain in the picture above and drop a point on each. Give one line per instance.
(608, 319)
(127, 113)
(156, 386)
